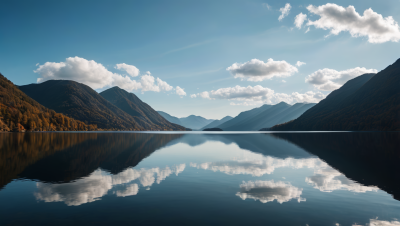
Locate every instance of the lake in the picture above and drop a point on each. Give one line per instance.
(190, 178)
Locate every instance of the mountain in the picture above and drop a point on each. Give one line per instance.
(243, 116)
(131, 104)
(170, 118)
(367, 103)
(192, 121)
(266, 116)
(82, 102)
(217, 123)
(19, 112)
(195, 122)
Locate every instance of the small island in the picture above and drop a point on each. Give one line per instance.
(212, 129)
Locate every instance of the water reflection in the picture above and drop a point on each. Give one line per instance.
(368, 158)
(98, 184)
(330, 175)
(268, 191)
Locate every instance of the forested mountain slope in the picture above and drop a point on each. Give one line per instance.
(131, 104)
(368, 102)
(81, 102)
(19, 112)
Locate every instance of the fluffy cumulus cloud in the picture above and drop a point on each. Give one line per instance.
(253, 95)
(371, 24)
(130, 69)
(78, 69)
(97, 76)
(284, 11)
(330, 79)
(299, 63)
(299, 20)
(193, 96)
(97, 184)
(180, 91)
(268, 191)
(258, 70)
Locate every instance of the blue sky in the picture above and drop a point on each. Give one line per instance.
(190, 45)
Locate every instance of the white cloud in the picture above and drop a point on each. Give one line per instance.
(268, 191)
(299, 63)
(130, 69)
(266, 6)
(285, 11)
(257, 70)
(252, 95)
(371, 24)
(330, 79)
(283, 81)
(180, 91)
(308, 29)
(97, 76)
(299, 20)
(193, 96)
(97, 184)
(204, 95)
(78, 69)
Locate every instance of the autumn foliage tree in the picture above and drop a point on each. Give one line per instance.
(19, 112)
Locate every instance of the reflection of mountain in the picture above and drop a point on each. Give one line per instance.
(369, 158)
(64, 157)
(256, 142)
(19, 150)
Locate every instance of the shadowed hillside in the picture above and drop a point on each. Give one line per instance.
(19, 112)
(131, 104)
(81, 102)
(368, 102)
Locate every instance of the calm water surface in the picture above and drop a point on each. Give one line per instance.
(200, 179)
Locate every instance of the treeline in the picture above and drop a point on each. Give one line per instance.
(19, 112)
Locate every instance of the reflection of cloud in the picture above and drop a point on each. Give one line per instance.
(325, 178)
(131, 189)
(268, 191)
(98, 184)
(82, 191)
(259, 167)
(329, 179)
(376, 222)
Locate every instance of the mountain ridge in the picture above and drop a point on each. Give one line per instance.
(365, 103)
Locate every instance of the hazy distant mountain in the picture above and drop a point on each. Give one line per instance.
(81, 102)
(243, 116)
(195, 122)
(131, 104)
(265, 116)
(368, 102)
(20, 112)
(170, 118)
(217, 123)
(191, 122)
